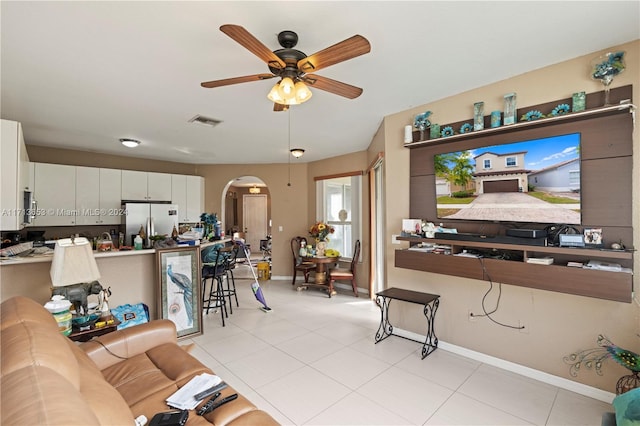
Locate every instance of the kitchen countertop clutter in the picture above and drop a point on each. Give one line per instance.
(45, 254)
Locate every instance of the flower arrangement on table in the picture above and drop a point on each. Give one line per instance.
(210, 221)
(320, 231)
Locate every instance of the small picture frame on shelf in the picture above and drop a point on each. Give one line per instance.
(593, 237)
(496, 117)
(478, 116)
(434, 131)
(509, 109)
(578, 101)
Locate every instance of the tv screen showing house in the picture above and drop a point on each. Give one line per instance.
(536, 181)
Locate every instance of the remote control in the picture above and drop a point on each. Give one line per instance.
(207, 407)
(211, 405)
(208, 392)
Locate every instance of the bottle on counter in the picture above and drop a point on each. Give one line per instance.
(141, 232)
(137, 242)
(174, 233)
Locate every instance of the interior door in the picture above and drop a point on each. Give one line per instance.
(254, 218)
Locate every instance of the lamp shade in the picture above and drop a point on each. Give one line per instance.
(73, 263)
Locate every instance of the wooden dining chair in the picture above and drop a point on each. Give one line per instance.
(298, 263)
(344, 274)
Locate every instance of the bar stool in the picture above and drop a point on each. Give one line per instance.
(230, 264)
(215, 298)
(225, 256)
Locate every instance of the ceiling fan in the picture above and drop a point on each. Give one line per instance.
(294, 67)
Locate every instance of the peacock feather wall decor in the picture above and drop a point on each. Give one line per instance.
(594, 358)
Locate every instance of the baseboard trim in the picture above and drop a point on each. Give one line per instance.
(541, 376)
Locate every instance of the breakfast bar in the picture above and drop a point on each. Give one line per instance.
(131, 275)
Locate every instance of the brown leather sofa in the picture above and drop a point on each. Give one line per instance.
(47, 379)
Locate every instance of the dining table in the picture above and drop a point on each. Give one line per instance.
(322, 263)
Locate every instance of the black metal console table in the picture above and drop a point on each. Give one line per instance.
(430, 303)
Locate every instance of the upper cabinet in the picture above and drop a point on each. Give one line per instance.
(55, 193)
(138, 186)
(188, 193)
(14, 163)
(98, 198)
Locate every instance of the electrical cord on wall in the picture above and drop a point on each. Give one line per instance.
(488, 314)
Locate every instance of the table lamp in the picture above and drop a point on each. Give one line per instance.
(75, 270)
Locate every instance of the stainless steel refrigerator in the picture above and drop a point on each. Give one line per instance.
(154, 218)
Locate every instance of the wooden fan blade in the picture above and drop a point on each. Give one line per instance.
(333, 86)
(280, 107)
(236, 80)
(347, 49)
(252, 44)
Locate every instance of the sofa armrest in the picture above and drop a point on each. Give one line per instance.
(112, 348)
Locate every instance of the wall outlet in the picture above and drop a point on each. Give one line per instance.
(394, 240)
(471, 317)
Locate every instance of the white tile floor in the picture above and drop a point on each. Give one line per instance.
(313, 361)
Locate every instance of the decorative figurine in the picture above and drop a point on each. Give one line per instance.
(421, 122)
(605, 67)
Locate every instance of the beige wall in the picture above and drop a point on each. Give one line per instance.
(556, 324)
(289, 205)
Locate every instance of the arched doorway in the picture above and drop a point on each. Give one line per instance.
(246, 210)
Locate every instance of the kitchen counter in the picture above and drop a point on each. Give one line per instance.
(131, 275)
(39, 258)
(15, 260)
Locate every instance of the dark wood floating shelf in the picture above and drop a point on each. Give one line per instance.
(558, 277)
(571, 116)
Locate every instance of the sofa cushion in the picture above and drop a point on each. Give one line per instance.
(30, 337)
(35, 395)
(106, 402)
(153, 375)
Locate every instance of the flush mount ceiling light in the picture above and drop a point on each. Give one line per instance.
(254, 190)
(129, 143)
(297, 152)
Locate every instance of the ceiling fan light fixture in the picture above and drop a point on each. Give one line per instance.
(297, 152)
(274, 95)
(129, 143)
(303, 93)
(287, 87)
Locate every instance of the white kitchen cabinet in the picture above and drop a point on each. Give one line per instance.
(195, 198)
(98, 197)
(158, 186)
(55, 194)
(145, 186)
(134, 185)
(110, 196)
(14, 166)
(188, 193)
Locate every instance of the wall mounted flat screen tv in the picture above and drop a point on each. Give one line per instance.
(536, 181)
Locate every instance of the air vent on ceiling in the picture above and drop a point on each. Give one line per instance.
(205, 121)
